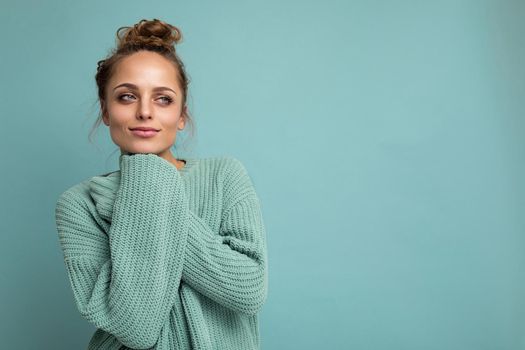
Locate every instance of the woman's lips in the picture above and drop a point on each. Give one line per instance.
(144, 133)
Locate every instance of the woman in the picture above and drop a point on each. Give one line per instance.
(164, 253)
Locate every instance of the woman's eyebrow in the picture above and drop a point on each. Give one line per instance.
(133, 86)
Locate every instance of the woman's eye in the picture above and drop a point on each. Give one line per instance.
(166, 100)
(124, 97)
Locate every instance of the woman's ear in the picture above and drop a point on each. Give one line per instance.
(183, 117)
(104, 111)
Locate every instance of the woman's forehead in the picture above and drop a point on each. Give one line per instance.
(145, 71)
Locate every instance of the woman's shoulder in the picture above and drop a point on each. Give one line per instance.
(73, 197)
(83, 186)
(227, 169)
(233, 175)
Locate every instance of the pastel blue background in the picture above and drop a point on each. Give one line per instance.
(385, 140)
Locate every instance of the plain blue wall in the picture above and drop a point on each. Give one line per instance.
(385, 140)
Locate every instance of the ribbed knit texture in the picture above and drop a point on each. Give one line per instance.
(161, 258)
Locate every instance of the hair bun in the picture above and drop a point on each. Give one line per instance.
(148, 33)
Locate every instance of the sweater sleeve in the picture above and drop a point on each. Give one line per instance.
(230, 267)
(124, 281)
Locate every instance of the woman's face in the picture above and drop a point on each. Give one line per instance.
(144, 92)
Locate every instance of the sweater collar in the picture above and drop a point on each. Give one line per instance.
(190, 163)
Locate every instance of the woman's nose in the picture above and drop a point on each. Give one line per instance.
(144, 110)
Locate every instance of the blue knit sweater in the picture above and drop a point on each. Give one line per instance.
(164, 258)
